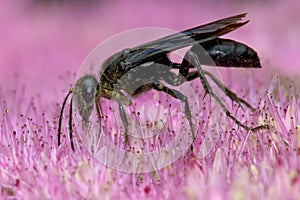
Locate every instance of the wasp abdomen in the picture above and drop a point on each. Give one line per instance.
(228, 53)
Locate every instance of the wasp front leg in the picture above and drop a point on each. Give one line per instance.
(122, 100)
(125, 122)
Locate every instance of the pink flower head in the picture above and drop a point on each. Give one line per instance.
(44, 40)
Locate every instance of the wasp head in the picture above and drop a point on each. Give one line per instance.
(84, 95)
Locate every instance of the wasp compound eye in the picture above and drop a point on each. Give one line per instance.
(88, 88)
(84, 95)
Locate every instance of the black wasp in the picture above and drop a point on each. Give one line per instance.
(150, 56)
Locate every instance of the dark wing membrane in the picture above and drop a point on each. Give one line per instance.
(152, 50)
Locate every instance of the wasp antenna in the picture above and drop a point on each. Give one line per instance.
(70, 126)
(61, 115)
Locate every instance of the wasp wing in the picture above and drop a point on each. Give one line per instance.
(153, 50)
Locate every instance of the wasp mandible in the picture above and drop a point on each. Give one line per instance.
(224, 52)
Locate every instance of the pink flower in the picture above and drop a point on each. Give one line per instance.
(40, 42)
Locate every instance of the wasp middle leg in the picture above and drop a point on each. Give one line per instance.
(172, 92)
(177, 95)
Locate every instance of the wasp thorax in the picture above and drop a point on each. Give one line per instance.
(84, 95)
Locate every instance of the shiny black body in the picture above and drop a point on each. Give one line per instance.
(147, 65)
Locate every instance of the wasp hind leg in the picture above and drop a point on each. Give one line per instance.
(184, 68)
(233, 96)
(191, 59)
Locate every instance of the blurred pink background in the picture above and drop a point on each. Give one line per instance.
(41, 40)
